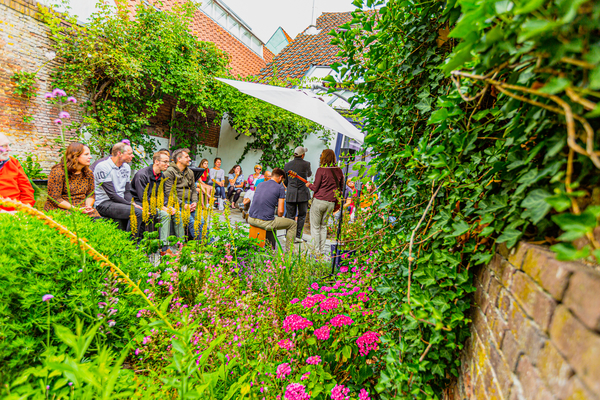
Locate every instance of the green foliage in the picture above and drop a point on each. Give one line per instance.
(131, 67)
(31, 166)
(469, 173)
(25, 86)
(37, 261)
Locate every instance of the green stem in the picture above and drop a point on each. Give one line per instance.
(48, 330)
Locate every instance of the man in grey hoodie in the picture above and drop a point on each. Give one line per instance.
(187, 196)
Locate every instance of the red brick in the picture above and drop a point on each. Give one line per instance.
(554, 369)
(579, 345)
(511, 351)
(529, 337)
(549, 273)
(517, 254)
(533, 299)
(531, 382)
(583, 298)
(501, 370)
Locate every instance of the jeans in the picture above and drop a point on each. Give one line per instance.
(219, 192)
(120, 212)
(290, 212)
(319, 214)
(277, 223)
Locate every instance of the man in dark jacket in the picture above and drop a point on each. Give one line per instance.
(151, 176)
(186, 194)
(297, 195)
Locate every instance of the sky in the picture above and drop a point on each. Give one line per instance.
(263, 16)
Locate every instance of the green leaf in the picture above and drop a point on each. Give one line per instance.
(568, 252)
(510, 237)
(438, 116)
(555, 85)
(535, 27)
(347, 352)
(583, 223)
(536, 205)
(527, 6)
(595, 78)
(560, 202)
(459, 228)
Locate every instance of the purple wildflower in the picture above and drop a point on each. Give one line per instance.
(47, 297)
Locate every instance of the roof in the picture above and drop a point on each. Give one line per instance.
(307, 50)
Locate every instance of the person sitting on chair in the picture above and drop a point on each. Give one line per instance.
(14, 183)
(217, 175)
(236, 185)
(113, 188)
(249, 196)
(81, 182)
(151, 176)
(270, 195)
(205, 187)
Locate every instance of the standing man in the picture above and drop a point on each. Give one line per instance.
(14, 183)
(187, 196)
(298, 195)
(270, 195)
(113, 188)
(217, 175)
(151, 176)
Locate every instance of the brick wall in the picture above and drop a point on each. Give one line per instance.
(24, 40)
(535, 331)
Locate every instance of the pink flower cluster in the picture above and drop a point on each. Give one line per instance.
(339, 392)
(363, 395)
(296, 391)
(286, 344)
(295, 322)
(331, 303)
(283, 370)
(341, 320)
(313, 360)
(367, 342)
(322, 333)
(311, 301)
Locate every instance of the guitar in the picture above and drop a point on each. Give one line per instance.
(337, 206)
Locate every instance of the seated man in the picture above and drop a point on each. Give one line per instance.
(113, 188)
(95, 164)
(151, 176)
(14, 184)
(270, 195)
(186, 193)
(249, 195)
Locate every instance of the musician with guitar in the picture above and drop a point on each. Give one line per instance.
(327, 188)
(297, 194)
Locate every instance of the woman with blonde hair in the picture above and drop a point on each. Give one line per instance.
(204, 183)
(80, 193)
(328, 183)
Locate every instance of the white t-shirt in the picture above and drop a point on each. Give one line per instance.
(217, 175)
(107, 171)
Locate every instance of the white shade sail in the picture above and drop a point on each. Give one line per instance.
(299, 103)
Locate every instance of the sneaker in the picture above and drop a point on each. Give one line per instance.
(298, 241)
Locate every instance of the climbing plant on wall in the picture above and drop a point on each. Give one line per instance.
(482, 119)
(128, 65)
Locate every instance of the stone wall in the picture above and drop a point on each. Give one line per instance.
(24, 43)
(535, 331)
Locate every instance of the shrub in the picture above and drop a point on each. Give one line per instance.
(36, 260)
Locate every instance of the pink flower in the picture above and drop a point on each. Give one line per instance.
(294, 300)
(340, 320)
(111, 322)
(47, 297)
(286, 344)
(339, 392)
(313, 360)
(367, 342)
(322, 333)
(58, 121)
(330, 304)
(49, 96)
(344, 269)
(311, 301)
(296, 391)
(64, 114)
(363, 395)
(295, 322)
(315, 286)
(305, 376)
(58, 92)
(72, 99)
(283, 370)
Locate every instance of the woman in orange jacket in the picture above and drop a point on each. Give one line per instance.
(14, 183)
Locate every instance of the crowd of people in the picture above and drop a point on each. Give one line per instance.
(277, 199)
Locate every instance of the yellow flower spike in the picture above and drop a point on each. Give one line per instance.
(17, 205)
(133, 220)
(153, 201)
(146, 211)
(160, 194)
(172, 195)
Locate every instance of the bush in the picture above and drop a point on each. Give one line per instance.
(36, 260)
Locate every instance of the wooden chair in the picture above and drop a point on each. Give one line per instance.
(263, 235)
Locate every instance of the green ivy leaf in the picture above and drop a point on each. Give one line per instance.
(510, 237)
(555, 85)
(438, 116)
(459, 228)
(560, 202)
(577, 225)
(568, 252)
(536, 205)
